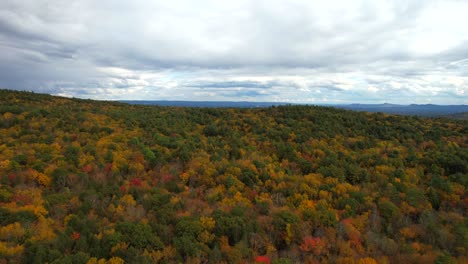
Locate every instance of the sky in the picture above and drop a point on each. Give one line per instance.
(297, 51)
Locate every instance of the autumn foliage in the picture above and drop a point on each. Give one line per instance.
(312, 244)
(75, 236)
(105, 182)
(262, 259)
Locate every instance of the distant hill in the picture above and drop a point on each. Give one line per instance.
(413, 109)
(210, 104)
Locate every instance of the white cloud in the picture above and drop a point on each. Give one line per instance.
(310, 51)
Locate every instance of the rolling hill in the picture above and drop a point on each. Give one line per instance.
(107, 182)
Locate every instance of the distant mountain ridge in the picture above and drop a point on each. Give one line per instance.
(212, 104)
(412, 109)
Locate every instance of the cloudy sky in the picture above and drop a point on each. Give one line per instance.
(301, 51)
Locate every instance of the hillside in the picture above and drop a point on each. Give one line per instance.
(86, 181)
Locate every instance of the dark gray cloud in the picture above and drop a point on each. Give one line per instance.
(298, 51)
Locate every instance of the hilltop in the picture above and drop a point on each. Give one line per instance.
(86, 181)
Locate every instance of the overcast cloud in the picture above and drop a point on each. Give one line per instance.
(401, 51)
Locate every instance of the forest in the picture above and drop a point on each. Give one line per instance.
(86, 181)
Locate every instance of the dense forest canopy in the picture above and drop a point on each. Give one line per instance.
(104, 182)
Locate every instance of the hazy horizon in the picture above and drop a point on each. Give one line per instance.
(312, 52)
(234, 101)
